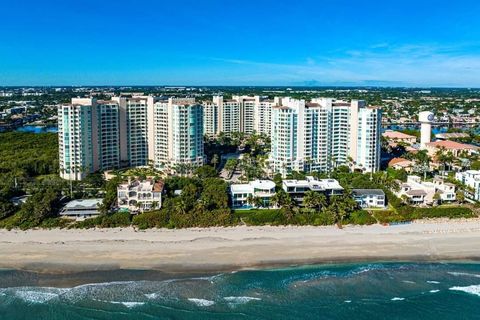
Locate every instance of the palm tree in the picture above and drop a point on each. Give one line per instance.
(254, 201)
(351, 163)
(215, 160)
(442, 158)
(423, 159)
(314, 199)
(282, 199)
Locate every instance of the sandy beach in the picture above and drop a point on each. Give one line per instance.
(221, 249)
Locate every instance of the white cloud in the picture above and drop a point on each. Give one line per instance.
(415, 65)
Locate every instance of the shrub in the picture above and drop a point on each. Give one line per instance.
(88, 223)
(323, 219)
(51, 223)
(151, 219)
(119, 219)
(361, 217)
(260, 217)
(388, 216)
(443, 212)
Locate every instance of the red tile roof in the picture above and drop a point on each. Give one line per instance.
(452, 145)
(397, 135)
(395, 161)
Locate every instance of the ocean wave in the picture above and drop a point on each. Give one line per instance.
(128, 304)
(434, 291)
(433, 282)
(464, 274)
(397, 299)
(151, 295)
(300, 279)
(240, 300)
(37, 296)
(473, 289)
(202, 302)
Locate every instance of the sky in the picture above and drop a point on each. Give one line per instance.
(419, 43)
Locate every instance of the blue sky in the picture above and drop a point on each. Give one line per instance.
(213, 42)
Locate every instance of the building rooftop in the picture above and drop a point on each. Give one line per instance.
(360, 192)
(452, 145)
(252, 185)
(314, 184)
(399, 161)
(83, 204)
(143, 185)
(450, 135)
(416, 192)
(390, 134)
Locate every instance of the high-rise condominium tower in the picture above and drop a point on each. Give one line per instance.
(88, 134)
(323, 134)
(178, 126)
(240, 114)
(128, 132)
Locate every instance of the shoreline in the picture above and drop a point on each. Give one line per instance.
(213, 250)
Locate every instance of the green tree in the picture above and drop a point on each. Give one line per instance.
(110, 195)
(206, 171)
(314, 200)
(215, 160)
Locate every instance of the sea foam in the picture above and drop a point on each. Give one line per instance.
(240, 300)
(32, 296)
(464, 274)
(202, 302)
(397, 299)
(473, 289)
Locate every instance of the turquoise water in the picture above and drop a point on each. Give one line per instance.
(353, 291)
(37, 129)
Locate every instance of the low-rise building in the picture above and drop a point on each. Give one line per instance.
(140, 195)
(451, 146)
(423, 193)
(369, 198)
(254, 194)
(82, 209)
(401, 163)
(397, 136)
(297, 188)
(470, 178)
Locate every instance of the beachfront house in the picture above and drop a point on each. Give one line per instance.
(297, 188)
(254, 194)
(140, 195)
(369, 198)
(81, 209)
(418, 192)
(470, 178)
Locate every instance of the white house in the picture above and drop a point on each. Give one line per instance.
(81, 209)
(369, 198)
(241, 193)
(423, 193)
(297, 188)
(139, 196)
(470, 178)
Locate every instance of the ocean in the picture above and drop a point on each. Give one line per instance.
(337, 291)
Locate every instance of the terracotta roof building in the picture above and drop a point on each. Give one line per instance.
(401, 163)
(399, 137)
(452, 146)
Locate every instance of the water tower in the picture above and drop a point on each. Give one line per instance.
(426, 118)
